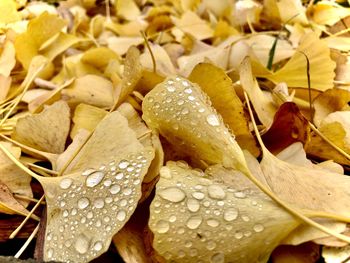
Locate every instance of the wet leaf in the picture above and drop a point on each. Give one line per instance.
(218, 86)
(202, 215)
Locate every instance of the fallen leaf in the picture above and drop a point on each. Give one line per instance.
(330, 101)
(203, 215)
(294, 72)
(44, 131)
(7, 58)
(127, 9)
(86, 117)
(193, 25)
(90, 89)
(39, 30)
(102, 162)
(305, 253)
(99, 57)
(328, 13)
(17, 181)
(289, 126)
(9, 12)
(218, 86)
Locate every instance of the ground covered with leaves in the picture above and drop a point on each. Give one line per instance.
(175, 131)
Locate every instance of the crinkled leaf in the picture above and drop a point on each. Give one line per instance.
(218, 216)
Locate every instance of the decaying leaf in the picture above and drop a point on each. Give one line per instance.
(13, 177)
(288, 126)
(44, 131)
(216, 216)
(218, 86)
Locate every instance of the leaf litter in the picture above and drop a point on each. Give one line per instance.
(136, 119)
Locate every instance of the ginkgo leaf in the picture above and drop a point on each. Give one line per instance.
(335, 128)
(7, 58)
(192, 24)
(39, 30)
(294, 72)
(328, 13)
(263, 105)
(8, 204)
(216, 216)
(127, 9)
(120, 45)
(288, 126)
(13, 177)
(330, 101)
(44, 131)
(181, 112)
(218, 86)
(9, 12)
(93, 201)
(86, 117)
(90, 89)
(99, 57)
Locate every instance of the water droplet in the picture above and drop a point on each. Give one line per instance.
(193, 252)
(119, 176)
(99, 203)
(65, 213)
(218, 258)
(172, 194)
(247, 233)
(98, 223)
(180, 102)
(98, 246)
(185, 111)
(165, 172)
(74, 212)
(107, 182)
(81, 244)
(216, 192)
(121, 215)
(188, 91)
(230, 214)
(83, 203)
(88, 171)
(114, 189)
(201, 110)
(213, 120)
(50, 253)
(194, 222)
(198, 195)
(130, 168)
(66, 183)
(108, 200)
(211, 245)
(170, 88)
(181, 254)
(193, 205)
(162, 226)
(127, 191)
(94, 179)
(213, 222)
(245, 218)
(191, 98)
(150, 99)
(172, 219)
(238, 235)
(258, 228)
(123, 164)
(240, 195)
(89, 215)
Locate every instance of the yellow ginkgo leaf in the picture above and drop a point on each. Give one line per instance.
(294, 72)
(216, 216)
(193, 25)
(97, 194)
(328, 13)
(86, 117)
(39, 30)
(127, 9)
(44, 131)
(9, 12)
(179, 110)
(7, 58)
(214, 82)
(99, 57)
(90, 89)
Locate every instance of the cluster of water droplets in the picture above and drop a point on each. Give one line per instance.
(177, 106)
(92, 206)
(195, 218)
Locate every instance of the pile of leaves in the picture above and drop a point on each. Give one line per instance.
(178, 131)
